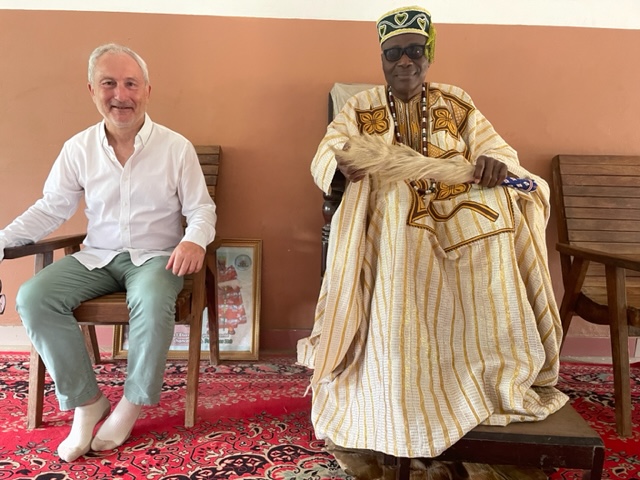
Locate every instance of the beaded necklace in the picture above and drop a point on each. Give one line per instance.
(423, 107)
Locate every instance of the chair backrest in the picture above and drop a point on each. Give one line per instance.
(340, 93)
(209, 156)
(597, 201)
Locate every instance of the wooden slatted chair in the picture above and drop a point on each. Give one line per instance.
(597, 199)
(198, 291)
(564, 439)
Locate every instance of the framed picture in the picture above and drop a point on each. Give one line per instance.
(239, 269)
(238, 265)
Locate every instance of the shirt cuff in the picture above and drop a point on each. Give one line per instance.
(196, 236)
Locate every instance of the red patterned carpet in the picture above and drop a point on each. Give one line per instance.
(254, 424)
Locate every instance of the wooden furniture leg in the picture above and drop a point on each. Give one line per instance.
(36, 390)
(193, 370)
(91, 343)
(616, 293)
(404, 469)
(36, 366)
(193, 363)
(212, 309)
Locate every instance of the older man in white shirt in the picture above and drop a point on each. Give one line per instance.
(138, 179)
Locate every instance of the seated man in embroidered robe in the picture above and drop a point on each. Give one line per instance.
(436, 312)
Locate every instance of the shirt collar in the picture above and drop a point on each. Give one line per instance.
(145, 132)
(141, 137)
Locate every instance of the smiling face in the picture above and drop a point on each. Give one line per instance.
(120, 92)
(406, 75)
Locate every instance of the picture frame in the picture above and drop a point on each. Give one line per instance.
(239, 276)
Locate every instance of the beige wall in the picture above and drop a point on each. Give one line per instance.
(258, 87)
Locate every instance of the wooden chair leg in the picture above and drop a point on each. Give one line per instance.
(566, 315)
(596, 468)
(36, 390)
(91, 342)
(404, 469)
(401, 465)
(212, 311)
(572, 288)
(193, 371)
(35, 401)
(617, 301)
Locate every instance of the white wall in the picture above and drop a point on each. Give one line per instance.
(573, 13)
(14, 338)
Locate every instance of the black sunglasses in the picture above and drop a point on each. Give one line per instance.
(3, 299)
(414, 52)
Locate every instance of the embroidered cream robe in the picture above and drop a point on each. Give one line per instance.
(436, 313)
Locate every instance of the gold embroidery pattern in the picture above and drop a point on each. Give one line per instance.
(431, 211)
(409, 118)
(443, 120)
(444, 191)
(437, 152)
(457, 112)
(483, 210)
(421, 209)
(373, 121)
(418, 207)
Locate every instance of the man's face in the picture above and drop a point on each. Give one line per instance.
(405, 75)
(119, 91)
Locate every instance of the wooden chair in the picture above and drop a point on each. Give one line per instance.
(199, 291)
(564, 439)
(597, 200)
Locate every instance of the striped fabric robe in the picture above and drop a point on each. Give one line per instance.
(436, 313)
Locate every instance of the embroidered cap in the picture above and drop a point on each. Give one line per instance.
(412, 19)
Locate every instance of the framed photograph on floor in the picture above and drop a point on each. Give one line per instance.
(239, 270)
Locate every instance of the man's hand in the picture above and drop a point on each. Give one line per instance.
(489, 172)
(187, 257)
(352, 174)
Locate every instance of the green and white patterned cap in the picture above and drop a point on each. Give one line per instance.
(413, 19)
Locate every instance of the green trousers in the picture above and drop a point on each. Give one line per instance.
(45, 304)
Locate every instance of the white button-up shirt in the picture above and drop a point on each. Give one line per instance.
(135, 208)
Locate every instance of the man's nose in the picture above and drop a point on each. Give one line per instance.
(120, 92)
(404, 59)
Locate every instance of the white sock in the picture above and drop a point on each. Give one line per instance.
(85, 419)
(117, 428)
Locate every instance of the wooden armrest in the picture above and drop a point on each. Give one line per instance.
(44, 246)
(209, 263)
(598, 256)
(213, 246)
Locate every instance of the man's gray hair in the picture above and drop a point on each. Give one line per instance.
(115, 48)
